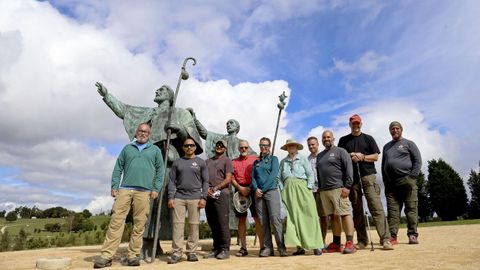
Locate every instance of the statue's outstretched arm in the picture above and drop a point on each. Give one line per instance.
(116, 105)
(201, 129)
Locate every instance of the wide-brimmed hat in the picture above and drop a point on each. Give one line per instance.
(292, 142)
(241, 203)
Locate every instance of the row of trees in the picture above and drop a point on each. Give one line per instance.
(444, 193)
(53, 212)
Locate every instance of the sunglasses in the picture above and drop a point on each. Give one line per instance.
(264, 145)
(243, 147)
(189, 145)
(219, 146)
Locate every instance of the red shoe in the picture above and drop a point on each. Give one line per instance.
(331, 248)
(349, 248)
(393, 240)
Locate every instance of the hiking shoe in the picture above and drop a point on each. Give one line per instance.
(265, 252)
(332, 247)
(349, 248)
(174, 259)
(222, 255)
(361, 245)
(135, 261)
(192, 257)
(102, 262)
(317, 252)
(242, 252)
(393, 240)
(299, 251)
(387, 245)
(211, 254)
(283, 252)
(412, 240)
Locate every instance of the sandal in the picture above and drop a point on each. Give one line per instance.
(242, 252)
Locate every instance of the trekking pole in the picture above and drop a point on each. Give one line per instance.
(183, 76)
(365, 205)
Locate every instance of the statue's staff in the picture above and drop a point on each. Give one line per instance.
(281, 106)
(183, 76)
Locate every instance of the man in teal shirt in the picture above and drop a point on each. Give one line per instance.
(141, 164)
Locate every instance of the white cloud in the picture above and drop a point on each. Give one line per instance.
(100, 204)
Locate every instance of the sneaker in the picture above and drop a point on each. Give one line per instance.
(192, 257)
(265, 252)
(222, 255)
(211, 254)
(387, 245)
(361, 245)
(299, 251)
(283, 252)
(101, 263)
(242, 252)
(412, 240)
(332, 247)
(317, 252)
(174, 259)
(135, 261)
(349, 248)
(393, 240)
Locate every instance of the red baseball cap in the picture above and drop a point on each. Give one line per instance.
(355, 119)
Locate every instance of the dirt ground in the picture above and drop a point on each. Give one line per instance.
(445, 247)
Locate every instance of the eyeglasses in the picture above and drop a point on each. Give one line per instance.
(189, 145)
(264, 145)
(243, 147)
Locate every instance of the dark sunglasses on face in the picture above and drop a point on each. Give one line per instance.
(189, 145)
(243, 147)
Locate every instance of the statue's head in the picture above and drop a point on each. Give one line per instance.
(233, 126)
(164, 93)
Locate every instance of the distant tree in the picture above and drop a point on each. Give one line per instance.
(424, 205)
(474, 186)
(36, 212)
(11, 216)
(20, 240)
(24, 211)
(53, 227)
(86, 213)
(446, 189)
(2, 213)
(4, 241)
(56, 212)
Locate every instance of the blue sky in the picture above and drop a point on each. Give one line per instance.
(412, 61)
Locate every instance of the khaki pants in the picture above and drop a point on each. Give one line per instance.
(178, 220)
(402, 192)
(372, 195)
(140, 200)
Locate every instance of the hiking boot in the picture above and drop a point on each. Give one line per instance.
(361, 245)
(283, 252)
(192, 257)
(223, 255)
(332, 247)
(317, 252)
(242, 252)
(393, 240)
(387, 245)
(102, 262)
(211, 254)
(135, 261)
(299, 251)
(349, 248)
(174, 259)
(412, 240)
(265, 252)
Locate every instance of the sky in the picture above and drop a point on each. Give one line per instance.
(416, 62)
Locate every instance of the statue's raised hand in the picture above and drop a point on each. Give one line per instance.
(102, 90)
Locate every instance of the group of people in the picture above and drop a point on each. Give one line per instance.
(328, 186)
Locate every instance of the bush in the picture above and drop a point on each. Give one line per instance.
(11, 216)
(53, 227)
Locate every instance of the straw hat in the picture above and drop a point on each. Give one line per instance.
(292, 142)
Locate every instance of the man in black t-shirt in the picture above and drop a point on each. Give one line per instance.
(364, 152)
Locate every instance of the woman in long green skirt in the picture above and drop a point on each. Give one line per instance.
(296, 182)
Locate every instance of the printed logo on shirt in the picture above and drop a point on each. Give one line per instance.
(194, 165)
